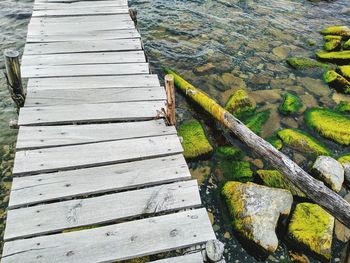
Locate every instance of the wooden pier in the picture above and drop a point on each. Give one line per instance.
(98, 176)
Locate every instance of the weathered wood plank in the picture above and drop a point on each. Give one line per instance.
(93, 82)
(85, 36)
(94, 154)
(190, 258)
(85, 70)
(82, 11)
(58, 97)
(84, 113)
(115, 242)
(82, 46)
(79, 4)
(48, 136)
(41, 188)
(55, 217)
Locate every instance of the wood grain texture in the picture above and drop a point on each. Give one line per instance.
(116, 242)
(78, 4)
(94, 154)
(96, 180)
(103, 10)
(55, 217)
(190, 258)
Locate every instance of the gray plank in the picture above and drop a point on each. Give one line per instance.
(85, 70)
(116, 242)
(80, 19)
(84, 113)
(83, 58)
(55, 217)
(82, 46)
(85, 36)
(94, 154)
(57, 97)
(41, 188)
(48, 136)
(93, 82)
(190, 258)
(79, 4)
(104, 10)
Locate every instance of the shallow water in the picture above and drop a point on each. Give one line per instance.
(245, 44)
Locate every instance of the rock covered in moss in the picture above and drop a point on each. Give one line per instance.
(275, 141)
(330, 171)
(343, 31)
(337, 81)
(236, 170)
(331, 37)
(330, 124)
(255, 122)
(300, 63)
(255, 210)
(240, 103)
(312, 227)
(275, 179)
(302, 141)
(195, 142)
(344, 158)
(346, 45)
(343, 106)
(332, 45)
(345, 71)
(291, 104)
(228, 152)
(342, 57)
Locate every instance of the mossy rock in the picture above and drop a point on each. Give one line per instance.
(344, 158)
(195, 142)
(300, 63)
(330, 124)
(228, 152)
(312, 227)
(332, 37)
(343, 106)
(255, 122)
(275, 141)
(337, 81)
(345, 71)
(291, 104)
(240, 102)
(275, 179)
(236, 170)
(332, 45)
(346, 45)
(343, 31)
(303, 142)
(342, 57)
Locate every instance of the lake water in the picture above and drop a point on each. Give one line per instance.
(219, 46)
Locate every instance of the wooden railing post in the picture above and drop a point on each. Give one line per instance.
(13, 76)
(170, 95)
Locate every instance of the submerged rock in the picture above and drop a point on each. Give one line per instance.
(343, 31)
(330, 171)
(332, 45)
(240, 103)
(204, 68)
(236, 170)
(255, 210)
(256, 121)
(305, 63)
(275, 179)
(343, 106)
(342, 57)
(195, 142)
(291, 104)
(330, 124)
(312, 227)
(275, 141)
(345, 71)
(228, 152)
(337, 81)
(302, 141)
(346, 45)
(331, 37)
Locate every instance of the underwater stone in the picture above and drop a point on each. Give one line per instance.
(204, 68)
(337, 81)
(346, 45)
(275, 141)
(305, 63)
(275, 179)
(236, 170)
(336, 30)
(312, 227)
(302, 141)
(228, 152)
(330, 171)
(345, 71)
(330, 124)
(342, 57)
(195, 142)
(343, 106)
(240, 102)
(291, 104)
(255, 210)
(332, 45)
(256, 121)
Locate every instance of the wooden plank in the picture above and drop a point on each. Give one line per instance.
(64, 1)
(48, 136)
(84, 113)
(55, 217)
(82, 46)
(41, 188)
(94, 154)
(82, 11)
(115, 242)
(83, 58)
(79, 4)
(190, 258)
(93, 82)
(58, 97)
(85, 70)
(86, 36)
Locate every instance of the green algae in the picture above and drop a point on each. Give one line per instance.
(275, 179)
(337, 81)
(275, 141)
(236, 171)
(330, 124)
(345, 71)
(344, 158)
(239, 103)
(195, 142)
(228, 152)
(291, 104)
(337, 56)
(343, 31)
(343, 106)
(332, 45)
(301, 63)
(346, 45)
(312, 227)
(302, 141)
(331, 37)
(256, 121)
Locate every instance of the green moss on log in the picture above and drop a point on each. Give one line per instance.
(291, 104)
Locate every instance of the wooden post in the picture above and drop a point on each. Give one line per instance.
(13, 76)
(133, 15)
(170, 98)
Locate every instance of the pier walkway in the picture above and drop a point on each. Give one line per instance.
(97, 176)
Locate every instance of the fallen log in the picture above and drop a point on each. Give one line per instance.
(313, 188)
